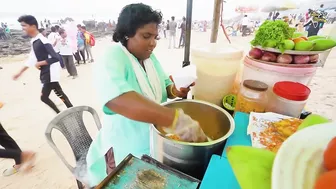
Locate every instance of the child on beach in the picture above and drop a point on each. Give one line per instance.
(44, 58)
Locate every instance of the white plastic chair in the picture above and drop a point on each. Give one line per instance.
(70, 123)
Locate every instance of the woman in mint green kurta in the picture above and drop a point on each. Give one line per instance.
(131, 84)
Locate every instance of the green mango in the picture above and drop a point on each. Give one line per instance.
(298, 34)
(288, 44)
(323, 44)
(311, 120)
(304, 46)
(271, 43)
(311, 38)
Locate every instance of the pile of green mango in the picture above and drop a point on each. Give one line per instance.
(315, 43)
(312, 43)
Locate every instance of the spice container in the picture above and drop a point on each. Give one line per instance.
(252, 97)
(289, 98)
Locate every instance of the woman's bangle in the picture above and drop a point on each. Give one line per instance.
(173, 126)
(171, 91)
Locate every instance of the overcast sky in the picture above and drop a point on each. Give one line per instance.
(202, 9)
(103, 7)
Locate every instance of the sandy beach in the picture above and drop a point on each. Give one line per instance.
(25, 117)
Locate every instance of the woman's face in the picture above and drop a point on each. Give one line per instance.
(142, 44)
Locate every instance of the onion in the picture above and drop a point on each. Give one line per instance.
(255, 53)
(313, 58)
(301, 59)
(285, 59)
(269, 57)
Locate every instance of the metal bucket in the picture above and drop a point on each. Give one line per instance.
(193, 158)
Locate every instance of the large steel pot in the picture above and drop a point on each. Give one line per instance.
(193, 158)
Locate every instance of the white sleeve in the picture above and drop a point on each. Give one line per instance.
(46, 40)
(51, 38)
(31, 59)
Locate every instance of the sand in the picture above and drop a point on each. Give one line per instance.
(25, 117)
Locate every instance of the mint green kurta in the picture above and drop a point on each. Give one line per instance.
(114, 76)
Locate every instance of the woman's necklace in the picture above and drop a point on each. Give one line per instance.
(315, 26)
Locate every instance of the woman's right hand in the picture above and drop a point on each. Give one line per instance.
(186, 128)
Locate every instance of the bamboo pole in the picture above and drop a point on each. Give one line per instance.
(215, 20)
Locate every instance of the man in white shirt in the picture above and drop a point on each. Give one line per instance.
(54, 39)
(172, 32)
(43, 57)
(67, 54)
(245, 23)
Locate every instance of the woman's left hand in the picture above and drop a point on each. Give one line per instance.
(182, 92)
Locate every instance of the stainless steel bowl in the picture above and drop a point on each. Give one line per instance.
(193, 158)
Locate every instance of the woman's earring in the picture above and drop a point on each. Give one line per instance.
(126, 38)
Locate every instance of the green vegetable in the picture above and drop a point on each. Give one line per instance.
(299, 34)
(277, 31)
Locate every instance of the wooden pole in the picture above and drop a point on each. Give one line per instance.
(215, 20)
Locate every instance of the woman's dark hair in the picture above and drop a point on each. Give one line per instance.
(131, 18)
(29, 19)
(53, 29)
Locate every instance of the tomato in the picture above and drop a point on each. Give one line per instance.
(326, 181)
(330, 155)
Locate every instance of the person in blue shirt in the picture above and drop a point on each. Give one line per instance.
(80, 46)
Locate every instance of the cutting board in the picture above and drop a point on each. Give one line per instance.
(146, 173)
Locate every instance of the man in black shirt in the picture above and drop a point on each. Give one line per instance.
(44, 58)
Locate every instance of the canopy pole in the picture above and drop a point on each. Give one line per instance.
(186, 61)
(215, 20)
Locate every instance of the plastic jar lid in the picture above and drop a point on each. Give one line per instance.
(255, 85)
(291, 90)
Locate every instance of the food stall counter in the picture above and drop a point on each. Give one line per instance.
(219, 173)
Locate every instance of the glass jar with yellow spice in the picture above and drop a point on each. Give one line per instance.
(252, 97)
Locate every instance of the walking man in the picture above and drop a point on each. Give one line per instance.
(44, 58)
(88, 43)
(67, 55)
(164, 29)
(183, 32)
(172, 32)
(245, 23)
(54, 39)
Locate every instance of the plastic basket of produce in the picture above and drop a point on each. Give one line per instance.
(317, 64)
(291, 52)
(277, 42)
(287, 60)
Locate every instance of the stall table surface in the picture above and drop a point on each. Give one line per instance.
(219, 173)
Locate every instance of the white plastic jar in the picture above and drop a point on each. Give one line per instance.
(289, 98)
